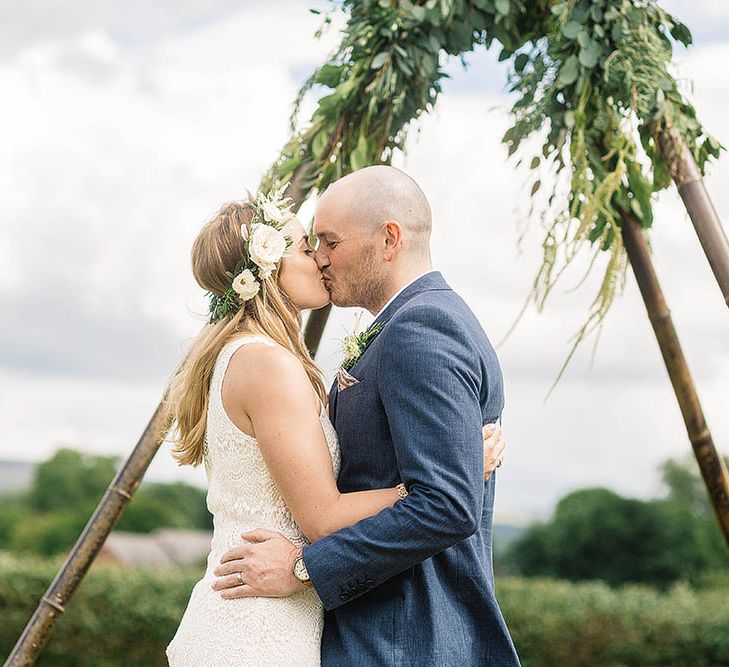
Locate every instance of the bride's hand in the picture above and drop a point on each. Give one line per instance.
(493, 449)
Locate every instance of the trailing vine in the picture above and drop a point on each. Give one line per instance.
(597, 83)
(590, 76)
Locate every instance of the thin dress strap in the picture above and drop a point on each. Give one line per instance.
(229, 349)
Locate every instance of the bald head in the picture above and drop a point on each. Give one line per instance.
(373, 228)
(372, 196)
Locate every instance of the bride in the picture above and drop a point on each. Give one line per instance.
(249, 403)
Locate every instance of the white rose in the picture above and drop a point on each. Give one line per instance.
(266, 271)
(267, 246)
(245, 285)
(272, 213)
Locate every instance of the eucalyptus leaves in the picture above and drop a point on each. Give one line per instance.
(598, 85)
(591, 76)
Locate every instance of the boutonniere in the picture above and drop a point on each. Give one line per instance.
(355, 344)
(353, 347)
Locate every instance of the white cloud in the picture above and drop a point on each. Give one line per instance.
(118, 154)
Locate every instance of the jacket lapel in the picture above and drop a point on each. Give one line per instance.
(333, 401)
(431, 281)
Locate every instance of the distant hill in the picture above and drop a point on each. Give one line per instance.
(15, 476)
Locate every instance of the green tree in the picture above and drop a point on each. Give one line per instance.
(684, 486)
(48, 534)
(597, 534)
(13, 513)
(175, 505)
(67, 488)
(71, 481)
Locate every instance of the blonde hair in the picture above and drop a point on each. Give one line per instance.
(217, 249)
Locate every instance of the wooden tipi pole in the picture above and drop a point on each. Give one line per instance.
(88, 545)
(713, 470)
(117, 496)
(687, 176)
(315, 328)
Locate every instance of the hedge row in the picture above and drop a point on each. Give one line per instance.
(117, 616)
(127, 617)
(590, 624)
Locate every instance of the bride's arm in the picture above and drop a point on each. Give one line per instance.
(283, 410)
(275, 393)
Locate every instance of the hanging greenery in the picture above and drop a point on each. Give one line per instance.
(385, 73)
(591, 78)
(597, 87)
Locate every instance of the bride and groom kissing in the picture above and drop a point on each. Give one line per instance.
(353, 528)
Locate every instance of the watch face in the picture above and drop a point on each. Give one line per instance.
(300, 570)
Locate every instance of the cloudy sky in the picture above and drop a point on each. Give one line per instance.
(125, 126)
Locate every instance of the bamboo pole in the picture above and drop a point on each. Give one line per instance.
(713, 470)
(686, 175)
(315, 328)
(117, 496)
(712, 467)
(298, 190)
(88, 545)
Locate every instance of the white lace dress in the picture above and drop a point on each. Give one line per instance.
(242, 496)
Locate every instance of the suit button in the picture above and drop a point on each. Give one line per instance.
(344, 596)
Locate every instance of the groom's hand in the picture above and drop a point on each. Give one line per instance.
(265, 564)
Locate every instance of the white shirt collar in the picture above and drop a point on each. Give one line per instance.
(402, 289)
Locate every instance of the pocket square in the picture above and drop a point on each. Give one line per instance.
(345, 379)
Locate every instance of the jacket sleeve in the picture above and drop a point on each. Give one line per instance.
(429, 380)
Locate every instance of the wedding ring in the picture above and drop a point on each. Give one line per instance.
(239, 577)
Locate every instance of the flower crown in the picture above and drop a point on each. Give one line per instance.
(264, 245)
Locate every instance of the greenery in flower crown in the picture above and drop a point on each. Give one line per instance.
(591, 77)
(228, 302)
(262, 250)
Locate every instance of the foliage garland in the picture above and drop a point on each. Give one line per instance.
(591, 77)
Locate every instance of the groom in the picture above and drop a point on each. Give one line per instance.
(414, 584)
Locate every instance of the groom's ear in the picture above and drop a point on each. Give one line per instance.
(391, 239)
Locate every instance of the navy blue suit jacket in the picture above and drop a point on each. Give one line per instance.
(414, 585)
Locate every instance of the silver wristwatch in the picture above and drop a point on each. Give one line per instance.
(300, 571)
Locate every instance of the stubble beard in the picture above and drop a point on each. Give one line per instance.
(362, 286)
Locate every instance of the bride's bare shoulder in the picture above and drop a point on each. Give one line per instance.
(264, 367)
